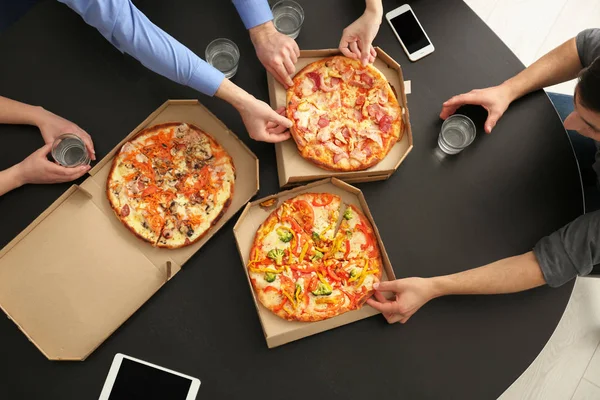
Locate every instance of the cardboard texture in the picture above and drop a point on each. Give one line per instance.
(75, 274)
(293, 169)
(277, 330)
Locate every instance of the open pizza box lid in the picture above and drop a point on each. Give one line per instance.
(277, 330)
(75, 274)
(293, 169)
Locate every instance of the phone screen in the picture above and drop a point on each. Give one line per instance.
(137, 381)
(410, 32)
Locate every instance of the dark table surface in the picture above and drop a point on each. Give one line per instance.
(436, 216)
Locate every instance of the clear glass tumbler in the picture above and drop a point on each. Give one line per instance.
(69, 151)
(224, 55)
(458, 132)
(288, 17)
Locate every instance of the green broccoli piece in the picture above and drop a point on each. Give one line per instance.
(348, 214)
(353, 273)
(322, 290)
(269, 276)
(276, 255)
(316, 237)
(285, 235)
(317, 256)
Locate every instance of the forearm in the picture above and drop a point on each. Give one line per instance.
(559, 65)
(15, 112)
(509, 275)
(128, 29)
(374, 6)
(9, 179)
(253, 12)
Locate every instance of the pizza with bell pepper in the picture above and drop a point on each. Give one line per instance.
(345, 116)
(170, 184)
(306, 265)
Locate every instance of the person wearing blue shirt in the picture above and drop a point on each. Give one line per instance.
(130, 31)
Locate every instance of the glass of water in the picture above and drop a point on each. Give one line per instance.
(288, 17)
(458, 132)
(224, 55)
(69, 151)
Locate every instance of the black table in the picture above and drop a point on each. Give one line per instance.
(436, 216)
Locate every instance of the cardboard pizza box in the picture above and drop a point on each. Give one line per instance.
(294, 170)
(279, 331)
(75, 274)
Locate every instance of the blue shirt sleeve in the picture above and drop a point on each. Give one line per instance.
(130, 31)
(253, 12)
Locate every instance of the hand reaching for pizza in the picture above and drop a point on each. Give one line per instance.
(410, 295)
(263, 123)
(358, 37)
(52, 126)
(276, 51)
(38, 169)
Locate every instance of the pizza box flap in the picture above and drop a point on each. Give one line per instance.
(246, 167)
(278, 331)
(75, 274)
(293, 169)
(62, 284)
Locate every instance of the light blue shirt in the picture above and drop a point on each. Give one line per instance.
(130, 31)
(253, 12)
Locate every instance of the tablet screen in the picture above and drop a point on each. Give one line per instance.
(137, 381)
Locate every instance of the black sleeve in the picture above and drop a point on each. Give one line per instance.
(572, 250)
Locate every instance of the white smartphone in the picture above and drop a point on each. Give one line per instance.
(133, 379)
(409, 32)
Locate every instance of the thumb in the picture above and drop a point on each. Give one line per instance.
(491, 121)
(45, 150)
(280, 120)
(365, 51)
(386, 286)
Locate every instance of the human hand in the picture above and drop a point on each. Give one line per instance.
(52, 126)
(276, 51)
(358, 37)
(410, 295)
(263, 123)
(36, 168)
(494, 99)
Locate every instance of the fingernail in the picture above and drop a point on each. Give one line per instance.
(375, 285)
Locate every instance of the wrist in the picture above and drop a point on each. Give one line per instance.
(234, 95)
(439, 286)
(16, 175)
(511, 90)
(36, 116)
(374, 10)
(259, 31)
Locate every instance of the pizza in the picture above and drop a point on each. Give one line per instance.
(307, 266)
(170, 184)
(345, 116)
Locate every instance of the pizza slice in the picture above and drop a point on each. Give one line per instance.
(316, 214)
(355, 237)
